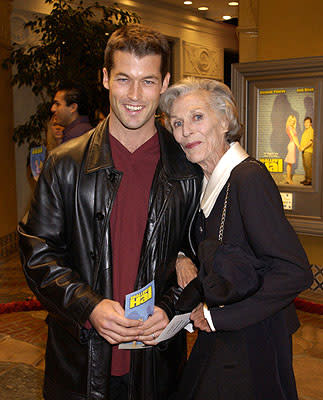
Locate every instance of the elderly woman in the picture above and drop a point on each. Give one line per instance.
(251, 264)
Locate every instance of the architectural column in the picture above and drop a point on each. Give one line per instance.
(8, 207)
(248, 30)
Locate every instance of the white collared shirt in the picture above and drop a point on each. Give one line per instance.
(212, 188)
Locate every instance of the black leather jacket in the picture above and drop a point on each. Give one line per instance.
(66, 255)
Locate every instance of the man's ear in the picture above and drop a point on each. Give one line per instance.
(105, 79)
(165, 83)
(73, 107)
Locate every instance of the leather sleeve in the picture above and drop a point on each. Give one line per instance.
(45, 258)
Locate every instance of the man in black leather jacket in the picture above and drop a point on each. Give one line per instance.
(109, 214)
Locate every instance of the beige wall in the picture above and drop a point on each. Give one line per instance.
(8, 216)
(199, 44)
(314, 248)
(290, 29)
(280, 29)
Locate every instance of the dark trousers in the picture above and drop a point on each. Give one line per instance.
(119, 387)
(307, 163)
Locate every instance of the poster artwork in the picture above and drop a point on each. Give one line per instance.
(37, 158)
(139, 305)
(285, 136)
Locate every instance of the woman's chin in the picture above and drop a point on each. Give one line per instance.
(193, 158)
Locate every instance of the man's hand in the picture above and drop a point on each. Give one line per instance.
(186, 271)
(154, 326)
(198, 319)
(109, 321)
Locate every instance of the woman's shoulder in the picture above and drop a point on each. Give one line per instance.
(250, 168)
(251, 173)
(251, 179)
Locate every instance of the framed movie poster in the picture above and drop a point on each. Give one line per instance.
(280, 104)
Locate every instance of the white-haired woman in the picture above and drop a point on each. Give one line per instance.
(251, 264)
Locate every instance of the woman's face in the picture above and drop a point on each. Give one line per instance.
(198, 129)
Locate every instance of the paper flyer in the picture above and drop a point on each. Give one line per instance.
(176, 324)
(37, 158)
(139, 305)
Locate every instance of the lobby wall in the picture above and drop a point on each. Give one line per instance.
(290, 29)
(273, 30)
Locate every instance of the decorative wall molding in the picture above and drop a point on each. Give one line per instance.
(248, 18)
(250, 31)
(201, 61)
(20, 34)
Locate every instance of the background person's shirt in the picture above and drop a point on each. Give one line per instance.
(77, 128)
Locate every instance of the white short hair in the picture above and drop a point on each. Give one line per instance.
(221, 100)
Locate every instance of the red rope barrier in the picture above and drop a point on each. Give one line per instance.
(16, 306)
(308, 306)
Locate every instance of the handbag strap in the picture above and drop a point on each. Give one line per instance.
(224, 213)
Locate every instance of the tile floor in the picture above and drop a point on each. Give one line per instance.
(23, 337)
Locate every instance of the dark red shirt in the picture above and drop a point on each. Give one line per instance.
(128, 223)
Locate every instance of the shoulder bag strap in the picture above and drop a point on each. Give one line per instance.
(224, 213)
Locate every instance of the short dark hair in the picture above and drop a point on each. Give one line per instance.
(74, 93)
(139, 40)
(308, 118)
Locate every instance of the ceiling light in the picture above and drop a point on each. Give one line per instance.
(203, 8)
(188, 2)
(233, 3)
(226, 17)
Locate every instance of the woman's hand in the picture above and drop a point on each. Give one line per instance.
(198, 319)
(186, 271)
(154, 326)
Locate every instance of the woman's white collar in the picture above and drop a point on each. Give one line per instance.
(212, 188)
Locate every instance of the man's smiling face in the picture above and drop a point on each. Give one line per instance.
(135, 85)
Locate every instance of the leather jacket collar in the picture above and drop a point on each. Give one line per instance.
(172, 157)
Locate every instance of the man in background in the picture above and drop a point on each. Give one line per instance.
(306, 147)
(70, 110)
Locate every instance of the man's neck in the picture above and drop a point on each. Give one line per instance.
(73, 118)
(131, 139)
